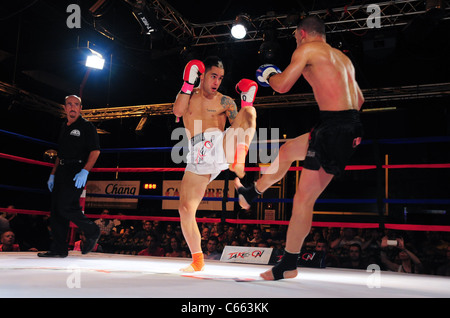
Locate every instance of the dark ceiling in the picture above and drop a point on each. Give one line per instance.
(38, 52)
(41, 55)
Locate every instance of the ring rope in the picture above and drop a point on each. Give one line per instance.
(144, 169)
(271, 200)
(400, 227)
(164, 149)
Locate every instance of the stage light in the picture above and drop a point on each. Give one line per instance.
(239, 28)
(269, 50)
(146, 20)
(238, 31)
(95, 60)
(150, 186)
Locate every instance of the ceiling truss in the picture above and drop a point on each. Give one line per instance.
(344, 19)
(352, 18)
(372, 98)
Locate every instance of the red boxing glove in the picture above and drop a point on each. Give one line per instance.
(247, 88)
(192, 71)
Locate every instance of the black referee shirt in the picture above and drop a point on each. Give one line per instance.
(77, 140)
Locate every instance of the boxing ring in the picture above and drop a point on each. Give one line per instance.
(97, 275)
(111, 275)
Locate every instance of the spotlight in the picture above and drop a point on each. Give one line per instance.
(269, 50)
(95, 60)
(146, 20)
(239, 28)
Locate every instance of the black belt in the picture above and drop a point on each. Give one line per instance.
(63, 162)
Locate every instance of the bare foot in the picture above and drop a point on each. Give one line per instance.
(268, 275)
(242, 202)
(238, 169)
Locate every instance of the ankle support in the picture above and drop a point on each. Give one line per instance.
(240, 154)
(287, 263)
(197, 261)
(250, 193)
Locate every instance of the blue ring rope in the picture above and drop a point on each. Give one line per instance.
(272, 200)
(167, 149)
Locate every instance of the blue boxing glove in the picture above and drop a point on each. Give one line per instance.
(264, 72)
(80, 178)
(51, 182)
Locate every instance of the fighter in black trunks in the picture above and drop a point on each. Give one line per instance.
(327, 148)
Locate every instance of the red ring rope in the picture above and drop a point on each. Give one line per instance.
(350, 167)
(401, 227)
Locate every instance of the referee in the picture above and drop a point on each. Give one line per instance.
(78, 151)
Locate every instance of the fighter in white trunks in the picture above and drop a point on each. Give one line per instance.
(211, 149)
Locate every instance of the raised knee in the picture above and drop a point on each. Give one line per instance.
(285, 151)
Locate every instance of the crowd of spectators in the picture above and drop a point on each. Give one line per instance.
(402, 251)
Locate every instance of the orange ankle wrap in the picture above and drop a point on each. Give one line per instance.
(241, 153)
(197, 261)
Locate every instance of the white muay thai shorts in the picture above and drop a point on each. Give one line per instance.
(206, 154)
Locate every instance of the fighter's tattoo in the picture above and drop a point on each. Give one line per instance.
(230, 106)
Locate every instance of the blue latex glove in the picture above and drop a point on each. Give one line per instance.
(80, 178)
(51, 182)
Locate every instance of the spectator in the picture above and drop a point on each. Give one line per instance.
(205, 233)
(7, 242)
(242, 238)
(105, 224)
(211, 249)
(205, 237)
(444, 269)
(227, 237)
(256, 237)
(152, 249)
(355, 260)
(9, 216)
(405, 261)
(4, 224)
(330, 260)
(312, 239)
(158, 229)
(274, 236)
(175, 248)
(215, 230)
(78, 246)
(347, 238)
(121, 225)
(371, 246)
(146, 230)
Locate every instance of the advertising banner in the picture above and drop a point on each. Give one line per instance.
(112, 187)
(214, 190)
(246, 254)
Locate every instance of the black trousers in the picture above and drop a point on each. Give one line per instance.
(65, 207)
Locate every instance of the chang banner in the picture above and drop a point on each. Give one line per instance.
(112, 187)
(213, 190)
